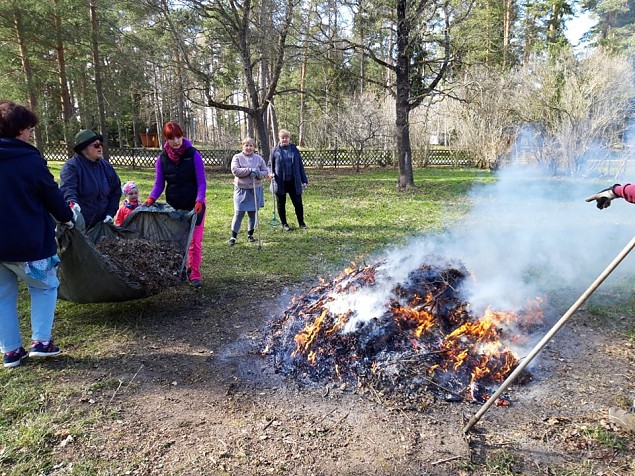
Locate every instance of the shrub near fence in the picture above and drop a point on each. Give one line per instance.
(145, 158)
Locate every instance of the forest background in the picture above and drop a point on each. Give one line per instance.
(491, 77)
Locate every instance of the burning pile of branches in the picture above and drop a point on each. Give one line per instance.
(155, 266)
(423, 342)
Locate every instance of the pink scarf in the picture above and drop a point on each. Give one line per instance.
(175, 154)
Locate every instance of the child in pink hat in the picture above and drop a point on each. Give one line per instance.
(130, 202)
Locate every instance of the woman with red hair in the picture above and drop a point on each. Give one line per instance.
(180, 171)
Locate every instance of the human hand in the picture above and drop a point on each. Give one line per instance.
(198, 207)
(253, 173)
(304, 186)
(149, 201)
(69, 224)
(603, 197)
(108, 219)
(75, 208)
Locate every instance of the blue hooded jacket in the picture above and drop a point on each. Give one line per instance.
(94, 185)
(29, 196)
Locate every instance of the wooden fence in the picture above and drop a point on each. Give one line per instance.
(145, 157)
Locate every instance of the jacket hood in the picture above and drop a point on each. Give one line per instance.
(15, 148)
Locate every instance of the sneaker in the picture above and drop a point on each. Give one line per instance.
(13, 358)
(286, 227)
(617, 415)
(232, 241)
(304, 227)
(197, 283)
(38, 349)
(251, 239)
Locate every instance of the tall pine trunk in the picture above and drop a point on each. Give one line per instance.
(101, 102)
(27, 70)
(65, 95)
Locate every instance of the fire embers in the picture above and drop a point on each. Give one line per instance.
(412, 340)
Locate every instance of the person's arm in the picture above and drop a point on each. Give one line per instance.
(201, 182)
(120, 215)
(52, 197)
(159, 181)
(69, 181)
(115, 191)
(626, 191)
(272, 163)
(262, 167)
(237, 169)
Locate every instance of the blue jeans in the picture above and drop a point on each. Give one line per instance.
(42, 283)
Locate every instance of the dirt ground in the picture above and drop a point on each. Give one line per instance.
(197, 397)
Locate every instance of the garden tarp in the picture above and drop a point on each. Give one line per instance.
(88, 276)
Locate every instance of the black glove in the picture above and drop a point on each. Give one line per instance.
(253, 173)
(603, 197)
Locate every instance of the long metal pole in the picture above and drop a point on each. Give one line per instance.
(508, 381)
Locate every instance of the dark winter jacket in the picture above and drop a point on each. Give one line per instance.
(185, 180)
(277, 169)
(29, 196)
(94, 185)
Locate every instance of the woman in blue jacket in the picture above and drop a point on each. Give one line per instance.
(288, 177)
(27, 243)
(88, 181)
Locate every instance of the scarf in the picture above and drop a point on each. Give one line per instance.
(175, 154)
(131, 205)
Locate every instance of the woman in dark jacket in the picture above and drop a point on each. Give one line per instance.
(181, 173)
(288, 177)
(89, 182)
(27, 243)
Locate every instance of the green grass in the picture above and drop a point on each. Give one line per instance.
(350, 217)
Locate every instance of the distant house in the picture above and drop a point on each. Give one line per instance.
(150, 140)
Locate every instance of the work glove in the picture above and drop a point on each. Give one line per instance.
(149, 201)
(69, 224)
(603, 197)
(108, 219)
(253, 173)
(198, 207)
(76, 209)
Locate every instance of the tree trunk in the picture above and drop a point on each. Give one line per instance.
(508, 6)
(404, 151)
(402, 108)
(303, 70)
(260, 126)
(65, 98)
(180, 112)
(101, 103)
(28, 72)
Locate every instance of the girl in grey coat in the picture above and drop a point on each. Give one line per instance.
(249, 169)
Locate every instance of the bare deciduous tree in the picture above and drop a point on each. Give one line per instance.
(362, 125)
(578, 105)
(484, 116)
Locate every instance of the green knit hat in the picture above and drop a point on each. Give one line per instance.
(84, 138)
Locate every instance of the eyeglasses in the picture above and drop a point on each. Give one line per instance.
(174, 138)
(97, 145)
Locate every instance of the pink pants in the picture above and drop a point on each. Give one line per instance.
(195, 253)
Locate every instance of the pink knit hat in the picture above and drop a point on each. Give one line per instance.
(128, 186)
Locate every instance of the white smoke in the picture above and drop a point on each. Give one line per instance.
(525, 235)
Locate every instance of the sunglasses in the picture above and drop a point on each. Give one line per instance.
(97, 145)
